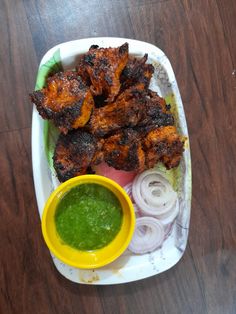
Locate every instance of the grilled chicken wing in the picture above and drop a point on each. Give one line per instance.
(132, 108)
(123, 151)
(75, 152)
(65, 100)
(163, 144)
(103, 67)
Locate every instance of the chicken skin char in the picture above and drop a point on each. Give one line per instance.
(163, 144)
(65, 100)
(140, 149)
(102, 67)
(137, 72)
(123, 151)
(74, 154)
(132, 108)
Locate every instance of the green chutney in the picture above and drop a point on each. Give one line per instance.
(88, 217)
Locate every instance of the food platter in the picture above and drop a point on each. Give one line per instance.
(128, 267)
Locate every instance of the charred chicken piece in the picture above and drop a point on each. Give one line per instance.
(123, 151)
(137, 72)
(81, 70)
(163, 144)
(103, 67)
(66, 100)
(74, 154)
(128, 149)
(132, 108)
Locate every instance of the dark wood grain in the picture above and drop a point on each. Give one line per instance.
(199, 39)
(226, 10)
(17, 56)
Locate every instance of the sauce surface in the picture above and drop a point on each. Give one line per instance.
(88, 217)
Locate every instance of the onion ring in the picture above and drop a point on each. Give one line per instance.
(148, 235)
(172, 215)
(153, 194)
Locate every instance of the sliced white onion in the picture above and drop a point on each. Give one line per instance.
(153, 194)
(148, 235)
(168, 230)
(171, 215)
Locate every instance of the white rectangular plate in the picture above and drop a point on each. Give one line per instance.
(128, 267)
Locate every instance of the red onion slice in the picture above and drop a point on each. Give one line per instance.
(136, 210)
(128, 190)
(154, 194)
(149, 235)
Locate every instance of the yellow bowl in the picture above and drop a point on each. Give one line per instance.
(88, 259)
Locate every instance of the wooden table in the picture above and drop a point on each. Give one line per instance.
(198, 36)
